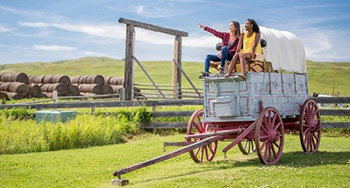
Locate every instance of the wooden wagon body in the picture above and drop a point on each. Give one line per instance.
(235, 99)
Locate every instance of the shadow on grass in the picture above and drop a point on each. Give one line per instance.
(296, 159)
(290, 159)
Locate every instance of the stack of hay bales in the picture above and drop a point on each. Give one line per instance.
(117, 82)
(56, 82)
(16, 85)
(90, 85)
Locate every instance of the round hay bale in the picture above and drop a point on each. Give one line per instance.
(116, 88)
(41, 95)
(34, 89)
(82, 79)
(73, 90)
(90, 88)
(5, 86)
(116, 80)
(47, 94)
(74, 79)
(5, 77)
(15, 77)
(18, 87)
(62, 89)
(107, 89)
(32, 78)
(47, 79)
(15, 96)
(45, 87)
(121, 81)
(95, 79)
(107, 79)
(39, 79)
(58, 78)
(4, 96)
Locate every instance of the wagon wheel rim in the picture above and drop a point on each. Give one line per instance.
(195, 125)
(269, 136)
(310, 126)
(247, 146)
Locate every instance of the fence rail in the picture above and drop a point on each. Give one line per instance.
(176, 102)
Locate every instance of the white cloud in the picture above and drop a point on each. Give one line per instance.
(53, 48)
(95, 54)
(98, 30)
(33, 24)
(4, 29)
(23, 12)
(158, 11)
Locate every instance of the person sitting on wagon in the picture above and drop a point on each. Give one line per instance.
(229, 46)
(250, 40)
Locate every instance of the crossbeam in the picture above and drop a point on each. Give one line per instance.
(153, 27)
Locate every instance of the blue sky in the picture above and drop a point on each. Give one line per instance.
(47, 30)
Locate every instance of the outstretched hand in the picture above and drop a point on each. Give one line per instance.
(201, 26)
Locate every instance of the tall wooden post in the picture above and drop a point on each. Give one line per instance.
(176, 71)
(129, 63)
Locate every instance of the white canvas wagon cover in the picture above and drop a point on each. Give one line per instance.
(284, 50)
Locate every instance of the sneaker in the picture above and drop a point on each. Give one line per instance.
(204, 74)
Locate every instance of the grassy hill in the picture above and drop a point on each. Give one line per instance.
(320, 73)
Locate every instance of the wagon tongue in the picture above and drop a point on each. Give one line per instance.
(175, 153)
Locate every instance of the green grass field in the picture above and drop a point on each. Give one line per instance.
(93, 167)
(320, 73)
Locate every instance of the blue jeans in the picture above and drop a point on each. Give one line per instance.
(225, 54)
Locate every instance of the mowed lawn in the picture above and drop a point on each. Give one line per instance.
(93, 167)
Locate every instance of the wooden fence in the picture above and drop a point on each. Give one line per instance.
(171, 125)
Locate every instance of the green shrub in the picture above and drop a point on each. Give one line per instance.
(18, 135)
(17, 113)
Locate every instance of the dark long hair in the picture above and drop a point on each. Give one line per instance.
(238, 28)
(255, 25)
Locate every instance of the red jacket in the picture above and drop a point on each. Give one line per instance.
(225, 36)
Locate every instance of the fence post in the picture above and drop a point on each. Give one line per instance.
(129, 64)
(176, 69)
(154, 119)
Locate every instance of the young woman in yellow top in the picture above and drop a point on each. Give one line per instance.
(251, 46)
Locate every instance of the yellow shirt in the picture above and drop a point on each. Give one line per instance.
(248, 44)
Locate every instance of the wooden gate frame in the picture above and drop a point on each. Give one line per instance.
(130, 50)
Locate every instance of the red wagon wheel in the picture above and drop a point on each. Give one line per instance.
(195, 126)
(247, 146)
(269, 136)
(310, 126)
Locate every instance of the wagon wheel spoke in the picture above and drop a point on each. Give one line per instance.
(206, 152)
(197, 151)
(211, 149)
(313, 143)
(269, 125)
(274, 119)
(202, 153)
(274, 151)
(270, 154)
(315, 137)
(263, 128)
(263, 145)
(277, 145)
(200, 123)
(196, 126)
(277, 126)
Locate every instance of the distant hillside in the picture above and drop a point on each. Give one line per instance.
(320, 73)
